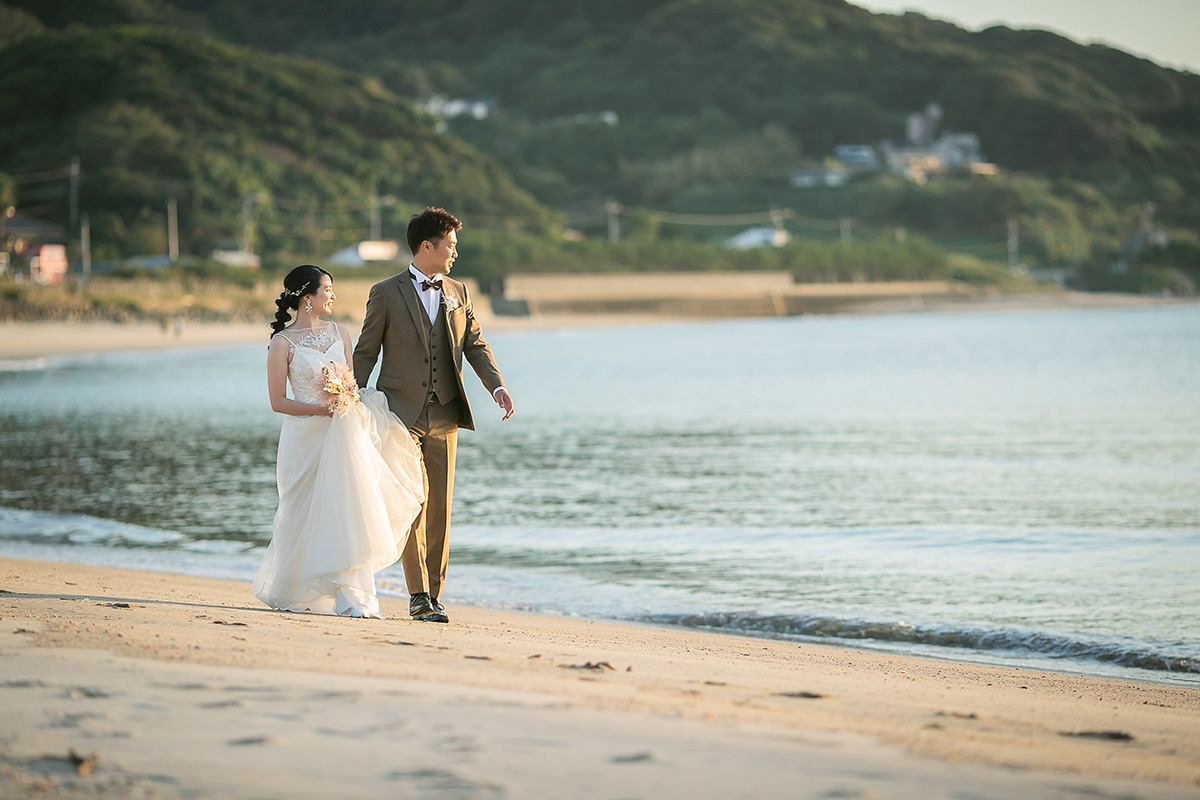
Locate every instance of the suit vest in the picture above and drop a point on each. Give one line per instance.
(442, 381)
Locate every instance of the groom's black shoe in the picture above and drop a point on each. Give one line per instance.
(420, 603)
(422, 607)
(438, 607)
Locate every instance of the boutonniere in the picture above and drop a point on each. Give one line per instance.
(450, 303)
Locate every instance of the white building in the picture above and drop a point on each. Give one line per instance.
(857, 157)
(958, 149)
(236, 258)
(810, 178)
(921, 127)
(451, 107)
(949, 151)
(751, 238)
(609, 118)
(366, 253)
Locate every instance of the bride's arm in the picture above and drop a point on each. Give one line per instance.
(277, 364)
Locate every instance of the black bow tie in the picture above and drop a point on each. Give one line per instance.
(427, 285)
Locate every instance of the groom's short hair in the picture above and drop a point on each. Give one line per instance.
(430, 225)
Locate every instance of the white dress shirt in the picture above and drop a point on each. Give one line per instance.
(430, 298)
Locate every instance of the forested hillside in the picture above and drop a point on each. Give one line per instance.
(293, 146)
(715, 102)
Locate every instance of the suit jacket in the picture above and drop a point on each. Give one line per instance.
(396, 323)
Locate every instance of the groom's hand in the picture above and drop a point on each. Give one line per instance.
(505, 401)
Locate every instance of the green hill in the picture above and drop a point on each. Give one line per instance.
(153, 113)
(716, 101)
(824, 70)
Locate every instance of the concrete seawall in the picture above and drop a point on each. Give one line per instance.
(700, 295)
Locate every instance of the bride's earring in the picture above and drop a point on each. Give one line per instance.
(308, 306)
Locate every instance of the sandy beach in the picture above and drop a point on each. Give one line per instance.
(24, 341)
(187, 687)
(136, 684)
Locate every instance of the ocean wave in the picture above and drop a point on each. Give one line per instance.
(1013, 641)
(22, 364)
(75, 529)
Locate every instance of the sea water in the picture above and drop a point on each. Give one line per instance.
(1019, 488)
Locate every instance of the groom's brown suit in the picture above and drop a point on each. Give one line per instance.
(421, 376)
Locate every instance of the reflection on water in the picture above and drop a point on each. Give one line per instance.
(975, 478)
(194, 479)
(873, 474)
(171, 442)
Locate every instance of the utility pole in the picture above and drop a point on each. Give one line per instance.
(5, 213)
(85, 239)
(614, 220)
(172, 230)
(847, 227)
(1014, 244)
(74, 190)
(776, 218)
(376, 217)
(781, 234)
(314, 225)
(247, 218)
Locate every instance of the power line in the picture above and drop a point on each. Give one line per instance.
(771, 217)
(44, 175)
(768, 217)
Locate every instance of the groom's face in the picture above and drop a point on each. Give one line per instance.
(443, 252)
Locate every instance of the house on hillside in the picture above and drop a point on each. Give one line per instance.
(451, 107)
(819, 176)
(920, 127)
(915, 164)
(927, 151)
(848, 160)
(609, 118)
(958, 149)
(950, 151)
(857, 157)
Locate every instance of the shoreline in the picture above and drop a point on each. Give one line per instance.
(1083, 668)
(30, 341)
(163, 676)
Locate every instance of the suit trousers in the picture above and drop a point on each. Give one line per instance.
(427, 551)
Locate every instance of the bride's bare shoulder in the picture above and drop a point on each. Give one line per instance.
(280, 341)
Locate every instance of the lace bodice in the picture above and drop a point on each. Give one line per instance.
(309, 350)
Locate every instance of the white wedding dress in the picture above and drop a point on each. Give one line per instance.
(350, 487)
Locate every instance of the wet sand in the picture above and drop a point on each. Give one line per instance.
(187, 687)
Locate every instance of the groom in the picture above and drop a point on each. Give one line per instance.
(423, 322)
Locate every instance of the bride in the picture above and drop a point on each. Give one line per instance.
(349, 473)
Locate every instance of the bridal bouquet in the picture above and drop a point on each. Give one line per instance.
(338, 383)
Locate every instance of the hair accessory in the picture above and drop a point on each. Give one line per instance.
(294, 292)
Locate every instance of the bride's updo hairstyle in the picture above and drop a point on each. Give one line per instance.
(303, 280)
